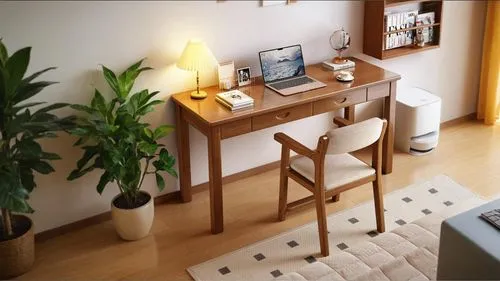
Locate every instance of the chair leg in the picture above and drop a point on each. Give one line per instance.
(322, 225)
(378, 197)
(282, 205)
(336, 197)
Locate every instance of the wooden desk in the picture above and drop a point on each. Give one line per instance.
(271, 109)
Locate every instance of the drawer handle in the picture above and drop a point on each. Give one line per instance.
(283, 115)
(340, 102)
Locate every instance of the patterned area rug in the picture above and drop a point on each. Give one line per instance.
(294, 249)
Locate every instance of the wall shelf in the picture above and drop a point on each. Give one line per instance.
(402, 51)
(397, 3)
(374, 26)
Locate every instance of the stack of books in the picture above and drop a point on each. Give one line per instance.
(234, 100)
(396, 22)
(338, 66)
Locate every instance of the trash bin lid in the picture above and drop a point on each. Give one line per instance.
(415, 97)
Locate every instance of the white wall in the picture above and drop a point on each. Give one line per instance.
(78, 36)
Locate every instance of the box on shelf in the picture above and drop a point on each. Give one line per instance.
(424, 19)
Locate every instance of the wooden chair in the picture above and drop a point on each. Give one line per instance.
(330, 169)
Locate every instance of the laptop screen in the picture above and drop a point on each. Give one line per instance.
(282, 63)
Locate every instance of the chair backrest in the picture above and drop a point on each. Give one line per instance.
(354, 137)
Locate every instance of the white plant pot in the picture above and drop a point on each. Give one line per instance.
(133, 224)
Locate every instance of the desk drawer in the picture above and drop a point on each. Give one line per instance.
(378, 91)
(236, 128)
(339, 101)
(281, 116)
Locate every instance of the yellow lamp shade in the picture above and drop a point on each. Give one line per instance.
(196, 57)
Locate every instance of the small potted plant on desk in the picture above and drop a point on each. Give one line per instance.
(21, 155)
(115, 140)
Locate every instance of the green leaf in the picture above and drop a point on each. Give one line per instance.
(16, 66)
(135, 102)
(83, 108)
(49, 156)
(42, 167)
(43, 117)
(3, 77)
(26, 105)
(79, 132)
(148, 107)
(66, 123)
(99, 103)
(112, 82)
(110, 115)
(77, 173)
(172, 172)
(160, 182)
(127, 79)
(148, 133)
(90, 152)
(44, 135)
(13, 196)
(51, 107)
(150, 96)
(27, 149)
(80, 141)
(135, 66)
(27, 91)
(3, 53)
(14, 126)
(27, 178)
(103, 181)
(36, 74)
(164, 155)
(147, 148)
(162, 131)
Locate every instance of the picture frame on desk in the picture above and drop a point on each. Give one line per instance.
(226, 75)
(244, 76)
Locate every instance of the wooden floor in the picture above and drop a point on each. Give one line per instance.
(468, 152)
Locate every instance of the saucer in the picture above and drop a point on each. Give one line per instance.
(341, 78)
(345, 76)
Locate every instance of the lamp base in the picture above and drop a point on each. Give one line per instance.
(339, 60)
(198, 95)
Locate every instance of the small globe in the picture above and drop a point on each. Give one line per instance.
(340, 41)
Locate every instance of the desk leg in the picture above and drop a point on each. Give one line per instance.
(182, 131)
(349, 113)
(390, 115)
(215, 180)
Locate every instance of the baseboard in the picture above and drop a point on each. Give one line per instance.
(456, 121)
(175, 196)
(51, 233)
(161, 199)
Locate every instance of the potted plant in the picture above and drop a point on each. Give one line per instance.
(21, 155)
(116, 141)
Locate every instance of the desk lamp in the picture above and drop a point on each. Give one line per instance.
(196, 57)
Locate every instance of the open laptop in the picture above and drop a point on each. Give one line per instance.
(284, 71)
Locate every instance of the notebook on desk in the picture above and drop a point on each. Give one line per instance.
(283, 70)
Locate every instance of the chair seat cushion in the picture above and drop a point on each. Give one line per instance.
(340, 169)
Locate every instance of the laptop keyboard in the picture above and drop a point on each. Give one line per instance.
(291, 83)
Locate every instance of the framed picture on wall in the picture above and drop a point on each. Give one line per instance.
(276, 2)
(273, 2)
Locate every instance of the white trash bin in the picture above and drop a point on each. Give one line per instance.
(418, 115)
